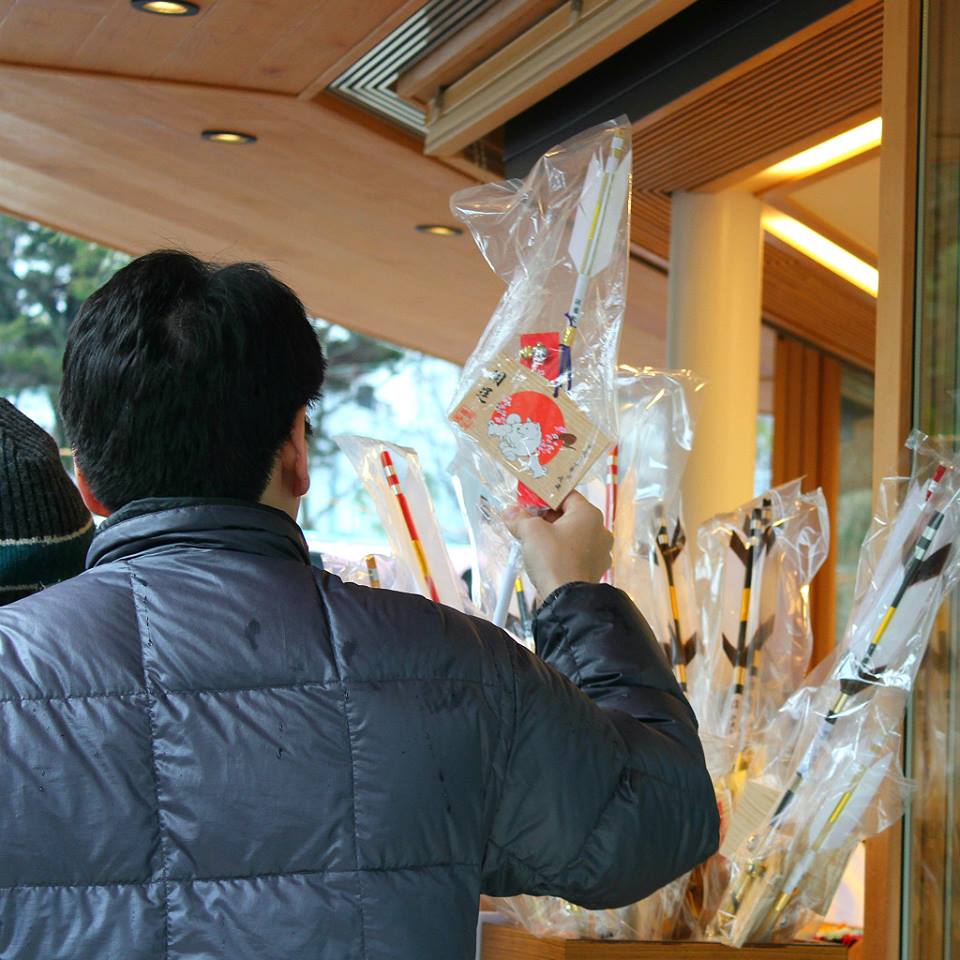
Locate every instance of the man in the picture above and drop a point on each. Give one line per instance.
(212, 750)
(45, 529)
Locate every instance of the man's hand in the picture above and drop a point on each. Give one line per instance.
(563, 546)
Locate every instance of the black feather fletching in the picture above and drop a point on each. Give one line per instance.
(740, 548)
(730, 650)
(864, 678)
(931, 566)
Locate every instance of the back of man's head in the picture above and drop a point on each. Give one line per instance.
(182, 379)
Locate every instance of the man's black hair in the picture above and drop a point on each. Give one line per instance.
(182, 378)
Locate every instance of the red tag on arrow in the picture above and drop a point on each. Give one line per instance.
(540, 352)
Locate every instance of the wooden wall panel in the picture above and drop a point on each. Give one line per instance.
(806, 443)
(814, 304)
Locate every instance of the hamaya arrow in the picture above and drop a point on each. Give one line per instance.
(592, 242)
(922, 566)
(678, 653)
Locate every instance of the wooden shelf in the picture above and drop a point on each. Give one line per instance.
(501, 942)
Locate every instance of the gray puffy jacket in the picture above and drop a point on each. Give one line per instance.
(210, 749)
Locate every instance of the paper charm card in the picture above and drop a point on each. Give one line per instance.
(546, 442)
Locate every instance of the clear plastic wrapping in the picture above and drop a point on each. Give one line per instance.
(651, 919)
(754, 569)
(639, 485)
(652, 558)
(787, 872)
(753, 573)
(374, 570)
(536, 405)
(391, 475)
(493, 553)
(831, 776)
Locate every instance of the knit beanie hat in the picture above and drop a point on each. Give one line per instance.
(45, 529)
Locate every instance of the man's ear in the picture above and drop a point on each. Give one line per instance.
(93, 504)
(294, 457)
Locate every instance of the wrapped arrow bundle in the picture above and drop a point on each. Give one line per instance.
(754, 568)
(392, 476)
(753, 573)
(536, 405)
(651, 561)
(831, 775)
(640, 479)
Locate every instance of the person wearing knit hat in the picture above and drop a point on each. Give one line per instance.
(45, 529)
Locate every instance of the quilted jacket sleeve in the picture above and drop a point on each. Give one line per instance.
(605, 796)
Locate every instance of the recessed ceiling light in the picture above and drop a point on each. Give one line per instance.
(166, 8)
(439, 229)
(823, 251)
(228, 136)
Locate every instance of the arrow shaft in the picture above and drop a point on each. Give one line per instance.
(920, 550)
(676, 643)
(393, 481)
(373, 574)
(734, 722)
(525, 625)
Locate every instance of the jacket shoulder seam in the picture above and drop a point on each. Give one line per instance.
(140, 609)
(325, 614)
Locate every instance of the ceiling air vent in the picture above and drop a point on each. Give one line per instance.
(370, 80)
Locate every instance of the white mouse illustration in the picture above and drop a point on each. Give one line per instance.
(519, 442)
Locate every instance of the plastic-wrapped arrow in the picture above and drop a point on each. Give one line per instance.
(850, 706)
(753, 572)
(754, 569)
(392, 476)
(536, 405)
(374, 570)
(652, 560)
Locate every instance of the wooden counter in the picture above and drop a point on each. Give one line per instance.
(502, 942)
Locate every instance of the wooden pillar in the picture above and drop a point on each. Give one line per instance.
(713, 327)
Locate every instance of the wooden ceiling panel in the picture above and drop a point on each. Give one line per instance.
(827, 75)
(49, 33)
(122, 42)
(280, 46)
(650, 222)
(322, 198)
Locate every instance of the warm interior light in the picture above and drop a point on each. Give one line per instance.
(827, 253)
(826, 154)
(439, 230)
(228, 136)
(167, 8)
